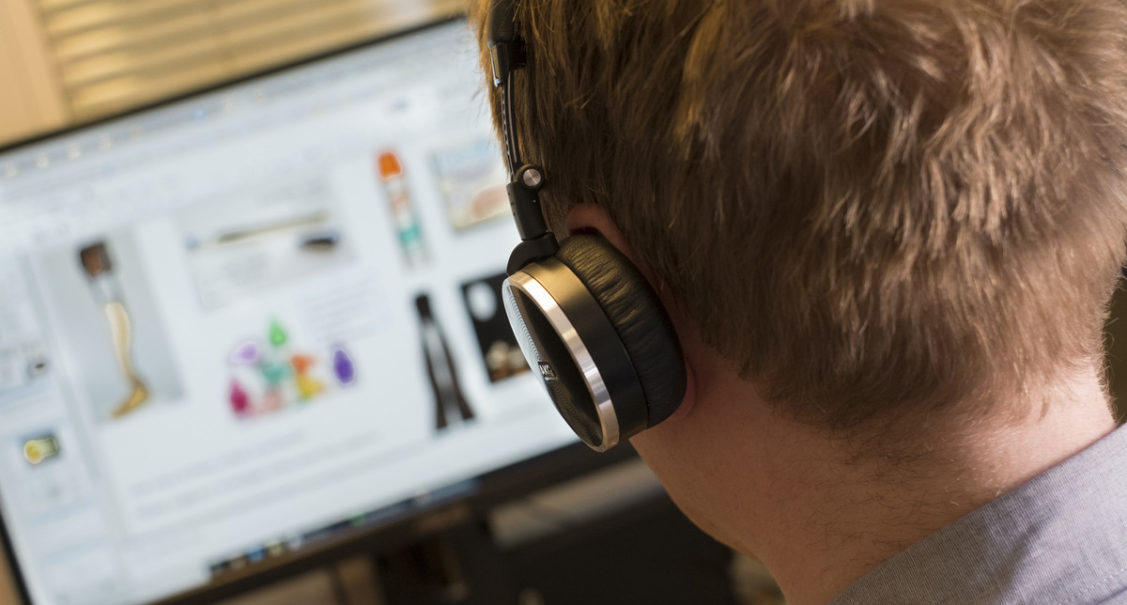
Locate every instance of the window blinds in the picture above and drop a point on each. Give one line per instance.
(114, 54)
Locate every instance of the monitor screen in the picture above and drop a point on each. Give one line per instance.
(234, 324)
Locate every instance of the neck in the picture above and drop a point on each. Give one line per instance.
(819, 515)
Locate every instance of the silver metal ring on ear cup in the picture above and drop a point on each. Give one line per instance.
(526, 284)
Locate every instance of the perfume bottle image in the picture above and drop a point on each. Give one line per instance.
(408, 229)
(107, 291)
(450, 402)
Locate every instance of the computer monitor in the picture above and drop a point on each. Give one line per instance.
(237, 324)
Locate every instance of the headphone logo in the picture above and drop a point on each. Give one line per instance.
(547, 371)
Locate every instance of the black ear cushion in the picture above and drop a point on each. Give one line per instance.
(636, 313)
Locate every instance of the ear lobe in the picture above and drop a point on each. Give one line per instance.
(690, 399)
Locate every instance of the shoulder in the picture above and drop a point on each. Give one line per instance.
(1059, 538)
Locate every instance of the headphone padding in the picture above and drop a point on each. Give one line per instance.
(636, 314)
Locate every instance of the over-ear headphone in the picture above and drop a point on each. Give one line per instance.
(585, 317)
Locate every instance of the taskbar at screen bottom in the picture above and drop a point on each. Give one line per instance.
(256, 555)
(397, 525)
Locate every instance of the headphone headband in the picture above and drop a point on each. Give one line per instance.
(585, 318)
(505, 45)
(507, 53)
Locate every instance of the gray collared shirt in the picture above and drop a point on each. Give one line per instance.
(1060, 538)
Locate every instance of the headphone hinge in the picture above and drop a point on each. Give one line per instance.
(525, 203)
(531, 250)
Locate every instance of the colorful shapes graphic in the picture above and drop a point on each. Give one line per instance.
(275, 373)
(308, 387)
(272, 401)
(343, 367)
(302, 363)
(278, 336)
(240, 401)
(247, 352)
(268, 378)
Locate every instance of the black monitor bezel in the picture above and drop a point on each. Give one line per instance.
(493, 488)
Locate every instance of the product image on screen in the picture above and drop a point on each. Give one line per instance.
(449, 398)
(112, 325)
(471, 182)
(404, 216)
(242, 245)
(499, 348)
(248, 323)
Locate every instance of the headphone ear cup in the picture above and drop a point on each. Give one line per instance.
(638, 317)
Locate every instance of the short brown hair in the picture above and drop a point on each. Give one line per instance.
(865, 204)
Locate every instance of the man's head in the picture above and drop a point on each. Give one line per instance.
(867, 207)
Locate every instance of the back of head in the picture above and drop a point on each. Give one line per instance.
(867, 206)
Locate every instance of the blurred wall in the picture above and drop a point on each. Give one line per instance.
(71, 61)
(7, 589)
(30, 100)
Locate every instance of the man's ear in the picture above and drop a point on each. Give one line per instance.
(588, 218)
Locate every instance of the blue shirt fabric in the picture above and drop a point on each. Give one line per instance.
(1059, 538)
